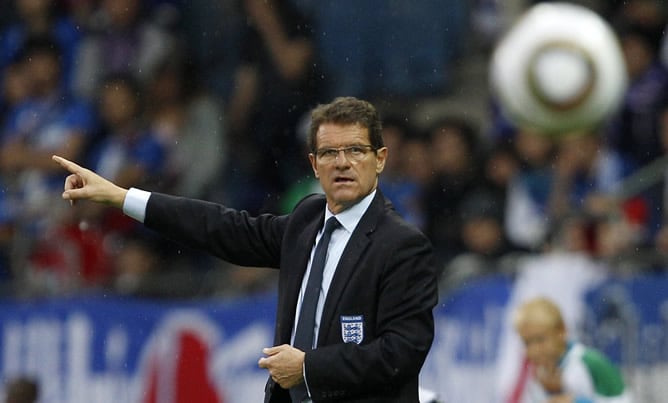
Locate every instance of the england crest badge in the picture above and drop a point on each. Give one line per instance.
(352, 328)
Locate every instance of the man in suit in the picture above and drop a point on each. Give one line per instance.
(372, 324)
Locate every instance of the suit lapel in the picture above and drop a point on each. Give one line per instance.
(296, 274)
(359, 241)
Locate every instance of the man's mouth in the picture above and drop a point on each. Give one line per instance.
(343, 179)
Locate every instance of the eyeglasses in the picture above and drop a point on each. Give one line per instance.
(354, 153)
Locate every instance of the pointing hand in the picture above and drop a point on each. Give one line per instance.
(84, 184)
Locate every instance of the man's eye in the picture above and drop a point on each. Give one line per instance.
(356, 150)
(329, 153)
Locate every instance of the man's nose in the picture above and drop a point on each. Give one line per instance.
(341, 158)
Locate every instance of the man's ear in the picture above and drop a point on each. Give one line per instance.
(381, 157)
(314, 166)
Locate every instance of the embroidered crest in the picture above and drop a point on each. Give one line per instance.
(352, 328)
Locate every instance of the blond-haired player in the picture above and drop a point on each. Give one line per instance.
(562, 370)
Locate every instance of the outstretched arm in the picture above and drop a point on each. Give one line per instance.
(84, 184)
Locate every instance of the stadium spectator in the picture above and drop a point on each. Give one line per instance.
(48, 121)
(124, 41)
(500, 166)
(78, 250)
(484, 244)
(526, 215)
(41, 18)
(634, 129)
(213, 31)
(129, 152)
(570, 174)
(404, 190)
(276, 83)
(455, 158)
(191, 126)
(657, 196)
(15, 88)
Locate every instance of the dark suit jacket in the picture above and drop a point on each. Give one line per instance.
(385, 281)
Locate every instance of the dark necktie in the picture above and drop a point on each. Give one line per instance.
(304, 333)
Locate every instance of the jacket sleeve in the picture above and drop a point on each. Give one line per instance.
(229, 234)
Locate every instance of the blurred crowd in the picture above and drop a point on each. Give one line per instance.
(210, 98)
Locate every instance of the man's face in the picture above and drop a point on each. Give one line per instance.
(118, 105)
(544, 342)
(43, 69)
(346, 180)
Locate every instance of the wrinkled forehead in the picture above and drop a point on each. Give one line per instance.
(338, 134)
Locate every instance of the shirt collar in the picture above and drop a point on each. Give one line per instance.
(569, 346)
(350, 217)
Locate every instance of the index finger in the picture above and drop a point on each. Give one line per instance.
(67, 164)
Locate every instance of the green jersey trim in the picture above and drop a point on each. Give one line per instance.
(605, 376)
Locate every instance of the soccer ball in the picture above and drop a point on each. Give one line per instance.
(558, 69)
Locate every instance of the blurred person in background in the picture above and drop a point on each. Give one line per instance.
(49, 120)
(633, 131)
(41, 18)
(78, 250)
(128, 151)
(528, 193)
(82, 249)
(418, 170)
(579, 174)
(192, 127)
(123, 40)
(397, 183)
(455, 158)
(212, 30)
(275, 85)
(416, 158)
(559, 369)
(588, 179)
(500, 166)
(15, 88)
(584, 168)
(484, 244)
(81, 12)
(486, 249)
(657, 196)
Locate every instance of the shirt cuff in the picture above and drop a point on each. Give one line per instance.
(304, 375)
(135, 203)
